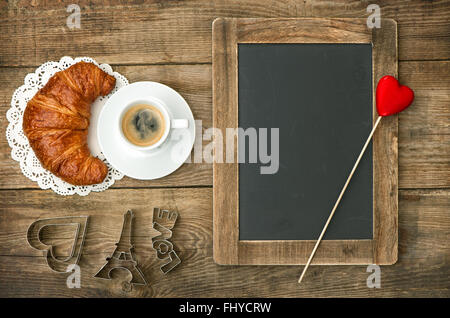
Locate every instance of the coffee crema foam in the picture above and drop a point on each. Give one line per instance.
(143, 125)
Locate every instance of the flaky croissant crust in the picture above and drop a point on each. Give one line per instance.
(56, 122)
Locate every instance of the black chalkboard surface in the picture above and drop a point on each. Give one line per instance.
(320, 98)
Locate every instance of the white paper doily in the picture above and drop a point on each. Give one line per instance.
(21, 150)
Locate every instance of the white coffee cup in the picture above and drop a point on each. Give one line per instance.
(170, 123)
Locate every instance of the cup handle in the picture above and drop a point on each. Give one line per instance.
(179, 123)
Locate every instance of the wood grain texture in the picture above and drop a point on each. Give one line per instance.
(138, 32)
(385, 151)
(422, 268)
(423, 128)
(225, 115)
(330, 252)
(305, 30)
(193, 82)
(227, 34)
(157, 32)
(106, 210)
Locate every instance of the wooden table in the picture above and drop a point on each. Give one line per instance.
(170, 42)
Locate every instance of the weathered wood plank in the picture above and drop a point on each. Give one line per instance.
(385, 151)
(193, 82)
(424, 130)
(180, 32)
(22, 207)
(225, 115)
(422, 270)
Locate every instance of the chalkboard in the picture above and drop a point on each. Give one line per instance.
(319, 96)
(309, 83)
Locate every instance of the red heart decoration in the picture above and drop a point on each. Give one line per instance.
(392, 97)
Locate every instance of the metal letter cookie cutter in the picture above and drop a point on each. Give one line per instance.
(165, 218)
(163, 222)
(56, 264)
(122, 256)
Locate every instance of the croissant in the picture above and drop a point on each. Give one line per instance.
(56, 122)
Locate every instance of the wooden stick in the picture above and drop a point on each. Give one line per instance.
(339, 199)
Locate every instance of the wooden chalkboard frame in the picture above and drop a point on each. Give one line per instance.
(228, 249)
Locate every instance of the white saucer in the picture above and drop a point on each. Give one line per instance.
(152, 164)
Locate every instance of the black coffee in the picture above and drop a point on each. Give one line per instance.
(143, 125)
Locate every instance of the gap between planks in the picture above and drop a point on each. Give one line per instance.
(197, 63)
(123, 188)
(122, 64)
